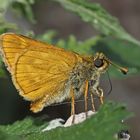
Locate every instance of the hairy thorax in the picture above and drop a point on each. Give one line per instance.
(81, 73)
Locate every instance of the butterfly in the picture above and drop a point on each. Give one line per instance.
(45, 74)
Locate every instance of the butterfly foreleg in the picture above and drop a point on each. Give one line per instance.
(100, 94)
(96, 89)
(92, 102)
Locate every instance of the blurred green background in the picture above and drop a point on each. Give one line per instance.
(49, 21)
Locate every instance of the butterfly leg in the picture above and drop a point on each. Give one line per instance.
(86, 97)
(72, 104)
(97, 90)
(92, 102)
(101, 95)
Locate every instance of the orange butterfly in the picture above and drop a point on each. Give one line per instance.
(45, 74)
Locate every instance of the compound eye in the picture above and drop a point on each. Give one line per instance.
(98, 63)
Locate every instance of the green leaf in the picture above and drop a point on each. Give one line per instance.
(23, 8)
(98, 17)
(24, 128)
(4, 25)
(2, 73)
(20, 7)
(106, 123)
(48, 36)
(4, 5)
(4, 136)
(72, 44)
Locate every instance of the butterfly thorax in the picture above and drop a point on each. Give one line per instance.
(82, 72)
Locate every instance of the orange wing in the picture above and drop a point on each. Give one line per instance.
(39, 70)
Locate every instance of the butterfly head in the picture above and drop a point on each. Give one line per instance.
(101, 63)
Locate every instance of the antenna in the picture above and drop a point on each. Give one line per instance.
(122, 69)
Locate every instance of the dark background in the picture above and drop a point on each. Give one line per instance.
(51, 15)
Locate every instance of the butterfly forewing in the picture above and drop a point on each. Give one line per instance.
(11, 45)
(38, 70)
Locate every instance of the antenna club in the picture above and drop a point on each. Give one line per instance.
(124, 70)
